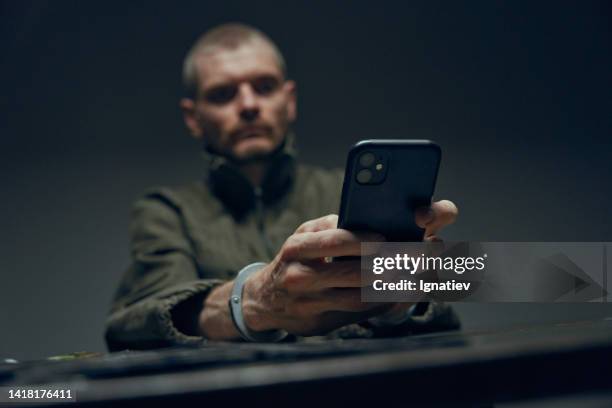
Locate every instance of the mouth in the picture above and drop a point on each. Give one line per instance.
(248, 132)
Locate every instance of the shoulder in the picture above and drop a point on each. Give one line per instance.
(174, 202)
(175, 196)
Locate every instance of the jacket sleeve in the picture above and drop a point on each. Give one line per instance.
(427, 317)
(163, 277)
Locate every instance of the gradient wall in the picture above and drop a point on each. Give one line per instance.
(518, 94)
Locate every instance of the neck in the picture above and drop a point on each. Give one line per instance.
(254, 172)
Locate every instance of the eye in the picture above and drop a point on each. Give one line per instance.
(265, 85)
(221, 94)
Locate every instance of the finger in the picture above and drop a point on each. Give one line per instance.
(432, 238)
(317, 276)
(327, 243)
(439, 215)
(345, 273)
(423, 216)
(338, 300)
(319, 224)
(338, 274)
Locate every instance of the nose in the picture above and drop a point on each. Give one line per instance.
(248, 103)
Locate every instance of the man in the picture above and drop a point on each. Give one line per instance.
(255, 204)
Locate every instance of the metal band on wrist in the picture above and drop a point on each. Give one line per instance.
(235, 306)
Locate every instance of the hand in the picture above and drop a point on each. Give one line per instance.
(302, 293)
(435, 217)
(432, 219)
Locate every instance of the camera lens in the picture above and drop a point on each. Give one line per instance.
(364, 176)
(367, 159)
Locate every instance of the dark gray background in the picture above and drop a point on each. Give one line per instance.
(517, 94)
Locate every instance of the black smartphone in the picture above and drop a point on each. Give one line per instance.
(384, 182)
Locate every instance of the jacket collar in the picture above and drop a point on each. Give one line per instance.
(237, 193)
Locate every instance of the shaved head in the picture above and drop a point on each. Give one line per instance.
(224, 37)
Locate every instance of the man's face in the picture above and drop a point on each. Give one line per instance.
(243, 106)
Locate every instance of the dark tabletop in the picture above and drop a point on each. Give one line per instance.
(455, 367)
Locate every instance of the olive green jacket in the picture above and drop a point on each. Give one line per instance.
(186, 240)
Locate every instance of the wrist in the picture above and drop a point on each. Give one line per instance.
(238, 304)
(253, 308)
(214, 321)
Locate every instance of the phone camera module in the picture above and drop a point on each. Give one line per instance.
(367, 159)
(364, 176)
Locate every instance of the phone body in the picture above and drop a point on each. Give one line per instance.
(384, 182)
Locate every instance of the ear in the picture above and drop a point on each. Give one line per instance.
(189, 116)
(290, 88)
